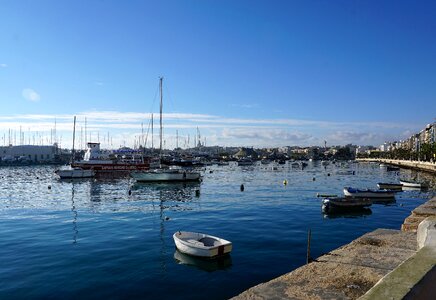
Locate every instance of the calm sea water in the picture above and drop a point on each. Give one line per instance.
(91, 239)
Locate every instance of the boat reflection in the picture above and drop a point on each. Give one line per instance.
(204, 264)
(361, 213)
(179, 192)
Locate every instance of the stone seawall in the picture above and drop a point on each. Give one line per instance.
(351, 270)
(409, 164)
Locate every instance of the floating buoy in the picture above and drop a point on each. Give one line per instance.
(285, 182)
(49, 187)
(354, 172)
(328, 174)
(130, 192)
(197, 193)
(313, 179)
(37, 177)
(242, 188)
(167, 218)
(211, 171)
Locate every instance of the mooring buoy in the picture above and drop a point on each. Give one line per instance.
(285, 182)
(242, 187)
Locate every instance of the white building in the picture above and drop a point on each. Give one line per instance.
(28, 153)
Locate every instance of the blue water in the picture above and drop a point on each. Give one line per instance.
(91, 239)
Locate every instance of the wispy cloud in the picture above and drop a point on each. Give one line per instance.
(31, 95)
(3, 65)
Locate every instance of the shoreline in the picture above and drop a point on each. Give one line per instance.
(408, 164)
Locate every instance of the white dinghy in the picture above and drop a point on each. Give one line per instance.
(200, 244)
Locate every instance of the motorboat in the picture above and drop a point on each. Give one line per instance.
(100, 162)
(368, 193)
(390, 186)
(344, 203)
(201, 244)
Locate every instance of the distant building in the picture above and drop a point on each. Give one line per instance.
(29, 153)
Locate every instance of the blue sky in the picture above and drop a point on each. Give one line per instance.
(246, 73)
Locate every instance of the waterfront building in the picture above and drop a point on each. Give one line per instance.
(28, 153)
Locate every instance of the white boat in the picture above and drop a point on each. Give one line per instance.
(343, 204)
(390, 186)
(164, 174)
(367, 193)
(412, 184)
(200, 244)
(74, 173)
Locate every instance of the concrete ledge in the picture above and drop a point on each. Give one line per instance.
(426, 234)
(402, 282)
(345, 273)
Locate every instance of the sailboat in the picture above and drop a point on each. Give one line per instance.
(161, 174)
(74, 172)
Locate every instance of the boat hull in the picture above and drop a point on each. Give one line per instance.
(191, 243)
(75, 173)
(390, 186)
(345, 204)
(411, 184)
(348, 192)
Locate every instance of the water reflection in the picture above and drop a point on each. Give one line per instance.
(208, 265)
(361, 213)
(74, 210)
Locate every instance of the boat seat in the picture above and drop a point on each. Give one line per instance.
(207, 241)
(195, 242)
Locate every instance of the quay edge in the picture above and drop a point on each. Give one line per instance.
(408, 164)
(381, 263)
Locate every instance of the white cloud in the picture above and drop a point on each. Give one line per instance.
(218, 130)
(30, 95)
(3, 65)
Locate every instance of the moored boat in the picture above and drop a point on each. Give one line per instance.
(412, 184)
(390, 186)
(368, 193)
(99, 162)
(344, 203)
(201, 245)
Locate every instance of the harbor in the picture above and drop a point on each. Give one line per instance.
(112, 237)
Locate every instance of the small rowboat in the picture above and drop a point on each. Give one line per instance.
(200, 244)
(412, 184)
(344, 204)
(367, 193)
(390, 186)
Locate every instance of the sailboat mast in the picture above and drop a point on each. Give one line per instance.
(74, 138)
(160, 112)
(152, 145)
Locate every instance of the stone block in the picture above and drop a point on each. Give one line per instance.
(426, 234)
